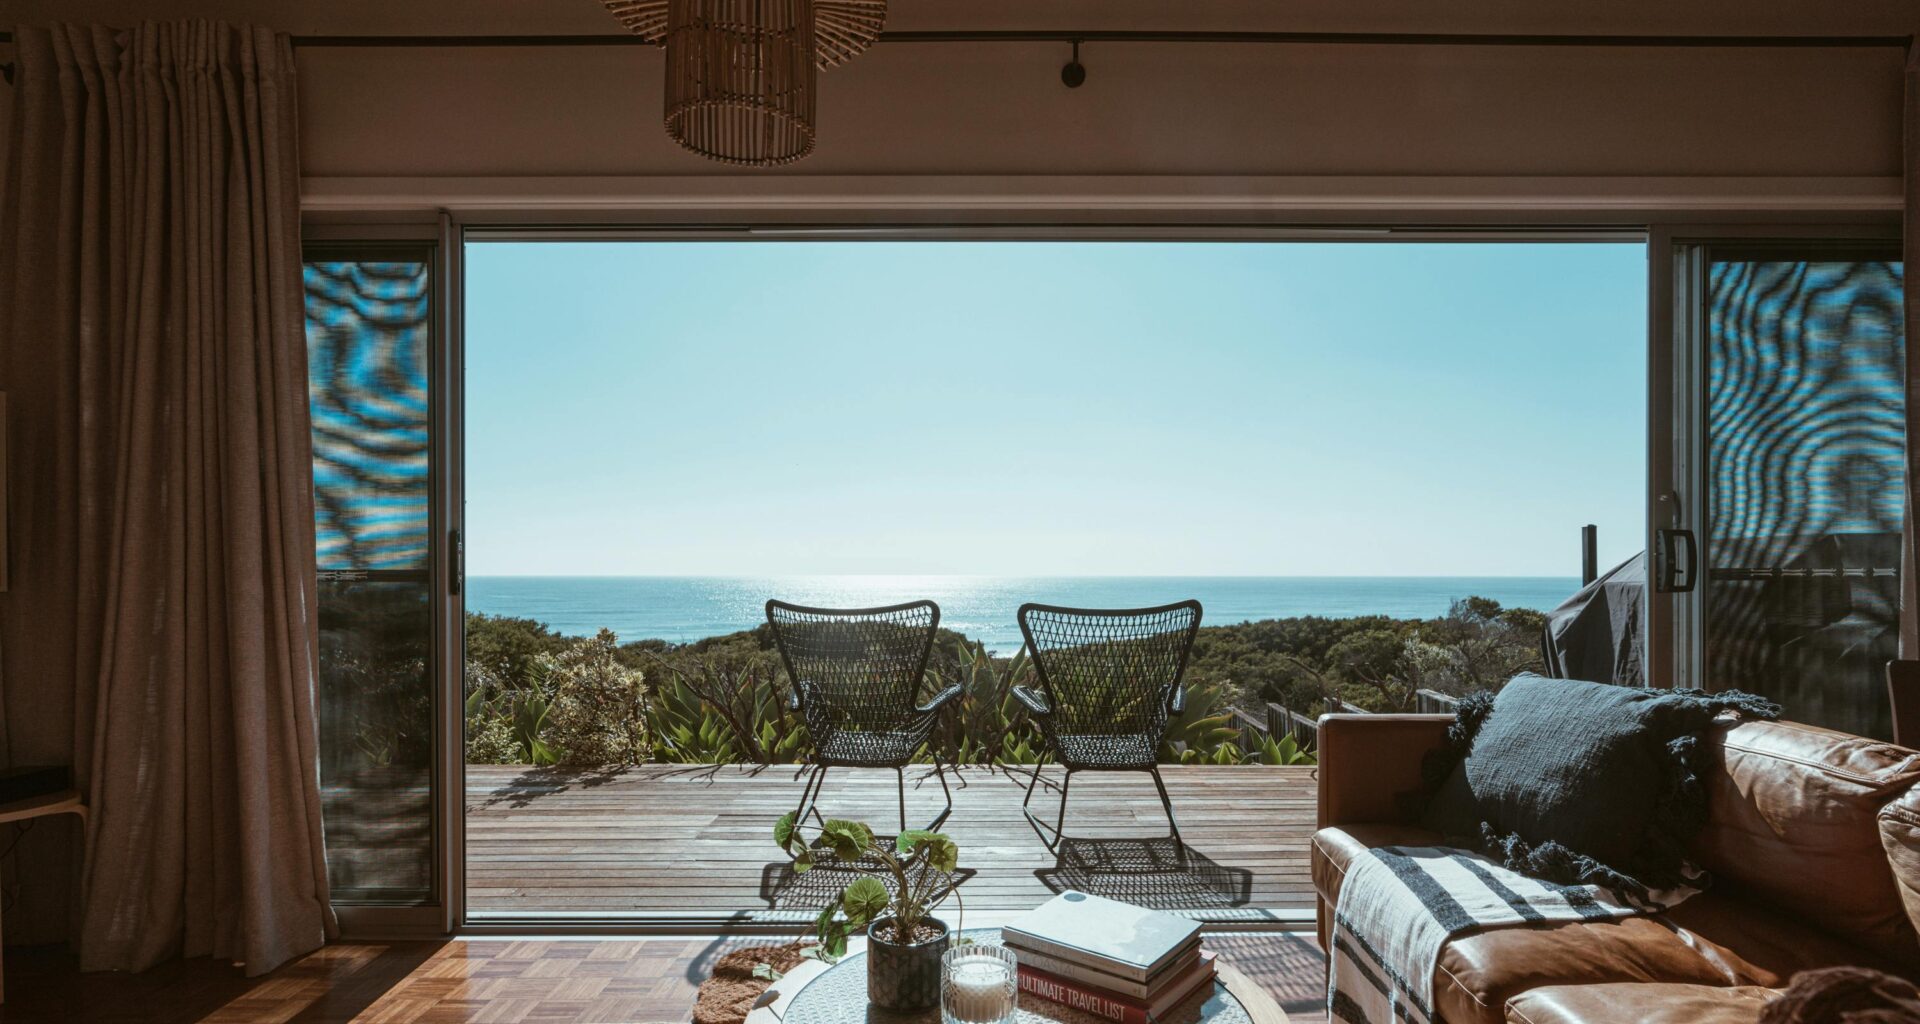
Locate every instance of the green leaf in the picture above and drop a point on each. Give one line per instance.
(905, 840)
(833, 940)
(864, 900)
(848, 839)
(824, 921)
(783, 830)
(939, 850)
(803, 862)
(765, 972)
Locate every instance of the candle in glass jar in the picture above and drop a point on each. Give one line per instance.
(980, 989)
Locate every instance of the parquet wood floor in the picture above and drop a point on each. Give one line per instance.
(490, 981)
(670, 839)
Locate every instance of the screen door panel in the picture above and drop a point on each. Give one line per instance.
(1805, 482)
(368, 338)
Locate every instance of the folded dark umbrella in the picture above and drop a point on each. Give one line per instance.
(1595, 634)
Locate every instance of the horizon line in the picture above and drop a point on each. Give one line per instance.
(1027, 575)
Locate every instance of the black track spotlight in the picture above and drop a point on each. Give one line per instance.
(1074, 74)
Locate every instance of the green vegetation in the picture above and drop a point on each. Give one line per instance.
(1373, 661)
(537, 697)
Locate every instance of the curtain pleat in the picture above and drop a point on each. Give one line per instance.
(161, 622)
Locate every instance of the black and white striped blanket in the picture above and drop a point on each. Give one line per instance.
(1400, 904)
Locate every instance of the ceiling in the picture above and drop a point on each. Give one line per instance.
(1733, 17)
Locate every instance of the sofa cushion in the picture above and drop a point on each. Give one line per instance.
(1900, 838)
(1644, 1004)
(1762, 945)
(1710, 940)
(1794, 822)
(1578, 782)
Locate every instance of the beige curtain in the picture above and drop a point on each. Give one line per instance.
(160, 630)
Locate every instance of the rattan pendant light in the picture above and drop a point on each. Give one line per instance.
(842, 28)
(741, 79)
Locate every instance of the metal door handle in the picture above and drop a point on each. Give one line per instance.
(457, 555)
(1676, 561)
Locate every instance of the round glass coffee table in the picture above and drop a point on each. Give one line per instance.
(839, 996)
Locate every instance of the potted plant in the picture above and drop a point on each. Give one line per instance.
(902, 880)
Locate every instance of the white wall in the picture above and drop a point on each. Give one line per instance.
(1606, 133)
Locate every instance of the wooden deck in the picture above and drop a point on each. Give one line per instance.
(675, 840)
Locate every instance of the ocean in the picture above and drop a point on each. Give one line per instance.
(687, 608)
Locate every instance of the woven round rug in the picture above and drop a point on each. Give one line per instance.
(732, 991)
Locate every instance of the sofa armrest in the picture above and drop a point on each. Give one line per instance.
(1368, 763)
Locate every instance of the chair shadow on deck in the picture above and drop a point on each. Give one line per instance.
(805, 892)
(1154, 873)
(537, 782)
(544, 781)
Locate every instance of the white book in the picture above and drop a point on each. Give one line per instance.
(1107, 935)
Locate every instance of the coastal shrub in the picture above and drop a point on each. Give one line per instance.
(598, 715)
(546, 698)
(724, 707)
(1203, 728)
(1283, 751)
(1374, 662)
(986, 725)
(505, 652)
(490, 735)
(490, 741)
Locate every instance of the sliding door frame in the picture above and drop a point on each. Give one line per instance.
(441, 913)
(1677, 260)
(1674, 466)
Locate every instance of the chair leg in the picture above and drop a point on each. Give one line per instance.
(810, 794)
(1060, 820)
(1179, 844)
(1041, 828)
(1058, 828)
(816, 782)
(940, 771)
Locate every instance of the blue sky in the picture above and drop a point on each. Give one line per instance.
(761, 408)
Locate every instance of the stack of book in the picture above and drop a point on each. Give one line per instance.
(1110, 959)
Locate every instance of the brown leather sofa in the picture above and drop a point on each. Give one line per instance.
(1814, 844)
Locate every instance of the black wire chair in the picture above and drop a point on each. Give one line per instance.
(856, 678)
(1111, 681)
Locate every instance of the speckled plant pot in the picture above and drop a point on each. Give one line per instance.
(904, 977)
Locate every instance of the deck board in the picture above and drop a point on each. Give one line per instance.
(669, 839)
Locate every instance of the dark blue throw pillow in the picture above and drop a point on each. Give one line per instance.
(1580, 783)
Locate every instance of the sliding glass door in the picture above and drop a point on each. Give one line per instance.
(369, 334)
(1793, 407)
